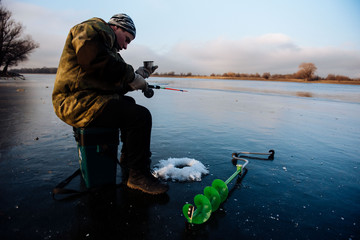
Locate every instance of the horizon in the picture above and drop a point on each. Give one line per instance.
(228, 75)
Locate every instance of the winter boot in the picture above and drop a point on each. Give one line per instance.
(144, 181)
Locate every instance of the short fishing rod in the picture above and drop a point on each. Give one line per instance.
(166, 88)
(149, 92)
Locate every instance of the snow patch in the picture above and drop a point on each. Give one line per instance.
(180, 169)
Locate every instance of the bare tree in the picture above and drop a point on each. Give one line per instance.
(306, 71)
(13, 47)
(266, 75)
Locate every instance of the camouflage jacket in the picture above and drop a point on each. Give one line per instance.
(90, 73)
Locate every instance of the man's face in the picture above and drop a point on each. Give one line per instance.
(123, 38)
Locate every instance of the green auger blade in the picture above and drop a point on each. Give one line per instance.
(202, 212)
(222, 188)
(213, 195)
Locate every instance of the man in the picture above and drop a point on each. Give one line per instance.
(89, 89)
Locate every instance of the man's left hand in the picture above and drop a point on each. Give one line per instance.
(145, 72)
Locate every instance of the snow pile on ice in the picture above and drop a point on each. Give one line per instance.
(180, 169)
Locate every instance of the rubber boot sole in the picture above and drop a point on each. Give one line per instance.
(148, 191)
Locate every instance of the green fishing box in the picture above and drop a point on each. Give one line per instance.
(98, 150)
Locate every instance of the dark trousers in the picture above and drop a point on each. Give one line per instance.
(135, 124)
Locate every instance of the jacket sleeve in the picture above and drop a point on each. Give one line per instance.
(98, 58)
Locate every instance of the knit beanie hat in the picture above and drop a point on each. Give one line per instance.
(123, 21)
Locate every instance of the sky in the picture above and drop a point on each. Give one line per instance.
(208, 36)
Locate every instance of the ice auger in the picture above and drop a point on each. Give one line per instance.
(217, 193)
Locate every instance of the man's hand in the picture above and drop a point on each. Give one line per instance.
(138, 82)
(145, 72)
(153, 68)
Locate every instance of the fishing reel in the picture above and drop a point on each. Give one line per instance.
(148, 92)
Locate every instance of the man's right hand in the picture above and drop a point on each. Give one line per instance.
(138, 83)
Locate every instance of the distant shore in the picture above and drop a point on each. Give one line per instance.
(326, 81)
(347, 82)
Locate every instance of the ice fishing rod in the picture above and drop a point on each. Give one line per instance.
(149, 92)
(214, 195)
(166, 88)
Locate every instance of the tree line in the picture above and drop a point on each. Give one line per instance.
(305, 71)
(35, 70)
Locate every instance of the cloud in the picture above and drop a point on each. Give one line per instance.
(274, 53)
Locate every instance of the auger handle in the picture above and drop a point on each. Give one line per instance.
(271, 154)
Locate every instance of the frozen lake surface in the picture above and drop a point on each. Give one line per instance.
(311, 190)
